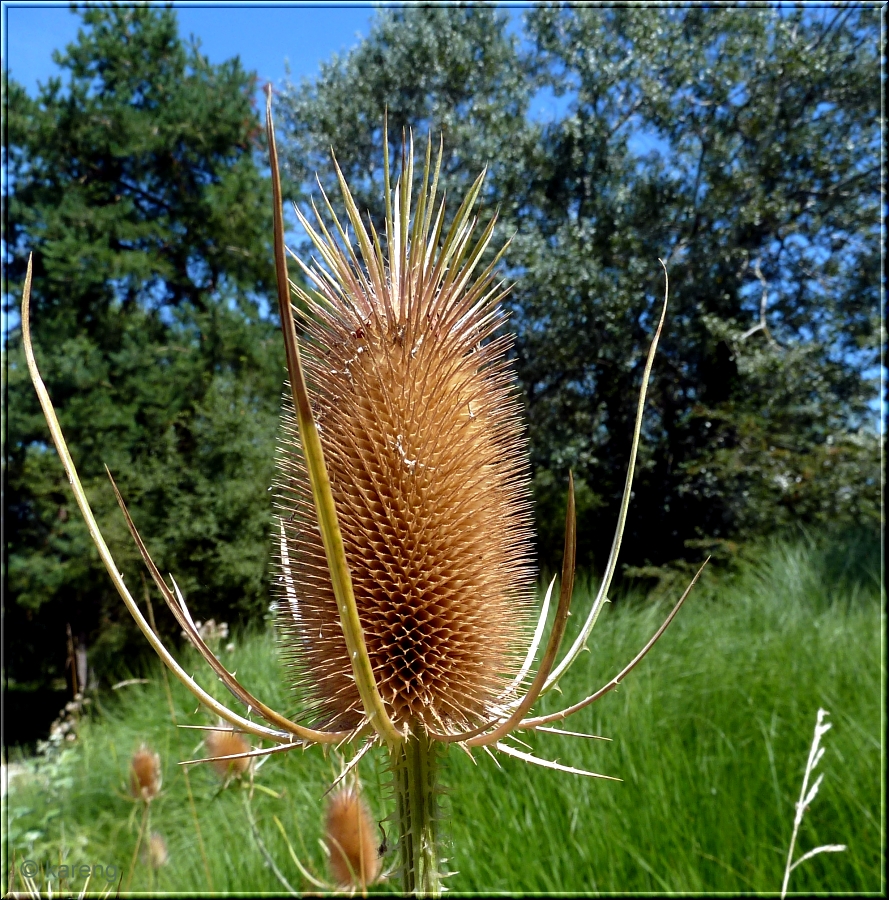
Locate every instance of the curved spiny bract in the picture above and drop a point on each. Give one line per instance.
(427, 459)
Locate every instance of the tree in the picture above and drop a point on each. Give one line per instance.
(135, 186)
(436, 71)
(739, 145)
(761, 194)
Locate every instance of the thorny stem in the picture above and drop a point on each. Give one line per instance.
(414, 775)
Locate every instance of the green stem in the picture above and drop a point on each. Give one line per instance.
(414, 774)
(146, 806)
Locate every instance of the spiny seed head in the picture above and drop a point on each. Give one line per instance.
(425, 449)
(351, 840)
(228, 743)
(155, 853)
(145, 774)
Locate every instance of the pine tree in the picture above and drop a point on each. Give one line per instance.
(134, 183)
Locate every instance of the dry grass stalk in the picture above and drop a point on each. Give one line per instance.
(807, 795)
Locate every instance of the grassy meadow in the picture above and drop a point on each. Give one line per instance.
(710, 735)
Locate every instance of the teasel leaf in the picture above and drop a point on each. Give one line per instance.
(580, 642)
(262, 751)
(314, 457)
(157, 645)
(535, 641)
(549, 764)
(350, 766)
(580, 734)
(563, 714)
(180, 611)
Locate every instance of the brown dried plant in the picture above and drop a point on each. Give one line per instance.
(156, 853)
(145, 786)
(425, 452)
(404, 569)
(351, 839)
(145, 774)
(229, 752)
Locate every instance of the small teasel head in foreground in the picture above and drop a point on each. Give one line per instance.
(155, 853)
(228, 752)
(145, 774)
(351, 838)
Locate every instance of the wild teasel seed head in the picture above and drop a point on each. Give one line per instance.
(428, 552)
(228, 743)
(145, 774)
(155, 853)
(423, 441)
(419, 486)
(351, 839)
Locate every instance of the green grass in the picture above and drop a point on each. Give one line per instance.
(710, 736)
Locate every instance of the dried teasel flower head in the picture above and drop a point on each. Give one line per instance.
(425, 450)
(145, 774)
(155, 853)
(404, 550)
(351, 839)
(223, 743)
(423, 495)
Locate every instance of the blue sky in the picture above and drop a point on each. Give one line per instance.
(264, 36)
(268, 37)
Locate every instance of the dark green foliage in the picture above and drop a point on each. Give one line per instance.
(739, 145)
(134, 184)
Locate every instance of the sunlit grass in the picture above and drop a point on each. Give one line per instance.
(710, 735)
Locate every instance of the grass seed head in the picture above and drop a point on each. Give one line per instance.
(145, 774)
(351, 839)
(228, 743)
(420, 425)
